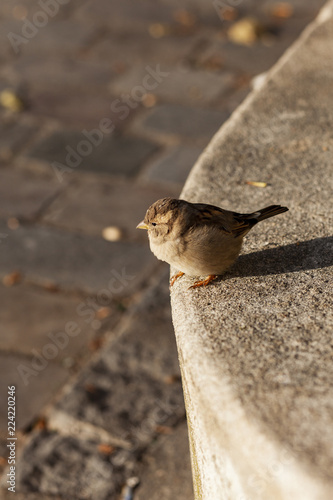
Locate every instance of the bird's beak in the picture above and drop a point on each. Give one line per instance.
(142, 225)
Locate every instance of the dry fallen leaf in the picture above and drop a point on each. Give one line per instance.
(20, 12)
(282, 9)
(90, 388)
(95, 344)
(184, 17)
(41, 424)
(171, 379)
(163, 429)
(245, 31)
(119, 67)
(105, 449)
(50, 286)
(9, 100)
(158, 30)
(103, 312)
(149, 100)
(214, 62)
(229, 14)
(12, 278)
(256, 184)
(13, 223)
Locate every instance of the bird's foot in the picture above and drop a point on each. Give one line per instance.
(175, 277)
(205, 282)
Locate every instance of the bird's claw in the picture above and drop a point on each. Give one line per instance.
(175, 277)
(205, 282)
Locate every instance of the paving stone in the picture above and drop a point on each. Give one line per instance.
(137, 15)
(32, 318)
(31, 193)
(130, 406)
(120, 156)
(166, 468)
(74, 261)
(67, 107)
(7, 8)
(174, 122)
(262, 10)
(13, 135)
(127, 15)
(14, 10)
(150, 349)
(28, 28)
(33, 391)
(56, 88)
(173, 166)
(113, 207)
(71, 468)
(198, 6)
(134, 386)
(234, 99)
(60, 38)
(124, 49)
(6, 49)
(300, 7)
(176, 84)
(8, 495)
(58, 74)
(254, 59)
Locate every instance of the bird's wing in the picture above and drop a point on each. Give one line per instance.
(229, 222)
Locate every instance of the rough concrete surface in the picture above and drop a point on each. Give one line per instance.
(256, 348)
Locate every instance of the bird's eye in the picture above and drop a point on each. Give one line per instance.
(153, 223)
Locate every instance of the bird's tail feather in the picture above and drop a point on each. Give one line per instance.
(266, 213)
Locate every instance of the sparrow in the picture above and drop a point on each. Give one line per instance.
(199, 239)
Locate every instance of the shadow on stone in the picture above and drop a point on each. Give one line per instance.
(302, 256)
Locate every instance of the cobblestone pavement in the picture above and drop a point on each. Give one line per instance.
(105, 106)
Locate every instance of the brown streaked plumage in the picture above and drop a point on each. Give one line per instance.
(199, 239)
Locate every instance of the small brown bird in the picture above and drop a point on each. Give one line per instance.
(199, 239)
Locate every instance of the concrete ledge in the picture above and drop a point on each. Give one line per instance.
(256, 349)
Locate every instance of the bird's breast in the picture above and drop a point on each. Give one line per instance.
(201, 253)
(169, 251)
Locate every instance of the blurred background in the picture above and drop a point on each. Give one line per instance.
(105, 107)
